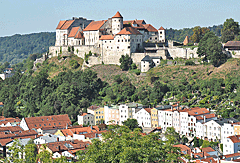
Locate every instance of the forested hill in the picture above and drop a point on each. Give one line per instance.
(16, 48)
(180, 34)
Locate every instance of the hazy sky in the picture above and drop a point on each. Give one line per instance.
(33, 16)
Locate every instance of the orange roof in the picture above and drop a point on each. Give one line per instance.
(4, 142)
(107, 37)
(84, 114)
(11, 129)
(183, 148)
(235, 138)
(207, 149)
(60, 24)
(1, 103)
(94, 25)
(150, 28)
(73, 32)
(232, 155)
(53, 121)
(117, 15)
(186, 40)
(67, 24)
(129, 31)
(148, 110)
(79, 131)
(93, 107)
(206, 116)
(4, 120)
(133, 21)
(209, 160)
(161, 28)
(79, 35)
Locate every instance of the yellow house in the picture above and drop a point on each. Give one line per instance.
(59, 133)
(236, 129)
(154, 117)
(98, 113)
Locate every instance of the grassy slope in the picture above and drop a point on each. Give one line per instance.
(168, 74)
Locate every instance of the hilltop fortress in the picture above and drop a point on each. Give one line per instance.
(110, 39)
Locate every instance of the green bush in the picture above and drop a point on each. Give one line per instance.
(74, 64)
(189, 63)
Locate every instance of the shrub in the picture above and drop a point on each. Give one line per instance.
(69, 49)
(74, 64)
(189, 63)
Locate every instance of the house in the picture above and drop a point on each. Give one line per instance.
(231, 145)
(185, 150)
(143, 116)
(6, 122)
(233, 47)
(46, 124)
(112, 115)
(58, 149)
(48, 139)
(127, 111)
(154, 117)
(98, 113)
(86, 119)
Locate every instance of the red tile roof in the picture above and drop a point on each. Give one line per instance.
(183, 148)
(150, 28)
(73, 32)
(11, 129)
(232, 43)
(53, 121)
(117, 15)
(235, 138)
(4, 120)
(79, 131)
(133, 22)
(67, 24)
(94, 25)
(148, 110)
(207, 149)
(209, 160)
(107, 37)
(60, 24)
(79, 35)
(129, 31)
(161, 28)
(63, 145)
(93, 107)
(206, 116)
(232, 155)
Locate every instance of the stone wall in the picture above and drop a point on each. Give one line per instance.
(182, 53)
(137, 57)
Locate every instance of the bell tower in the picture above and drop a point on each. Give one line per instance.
(117, 23)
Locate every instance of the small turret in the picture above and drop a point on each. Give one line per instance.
(117, 23)
(161, 34)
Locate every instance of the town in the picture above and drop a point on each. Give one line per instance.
(67, 114)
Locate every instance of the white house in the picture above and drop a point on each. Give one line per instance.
(143, 116)
(86, 119)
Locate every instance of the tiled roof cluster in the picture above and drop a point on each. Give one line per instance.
(235, 138)
(93, 107)
(129, 31)
(67, 145)
(64, 24)
(184, 149)
(50, 122)
(107, 37)
(95, 25)
(4, 120)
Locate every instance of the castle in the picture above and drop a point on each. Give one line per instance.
(109, 39)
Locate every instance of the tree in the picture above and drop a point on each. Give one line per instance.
(172, 136)
(196, 142)
(211, 49)
(126, 62)
(131, 124)
(230, 30)
(198, 33)
(124, 145)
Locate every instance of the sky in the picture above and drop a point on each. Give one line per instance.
(34, 16)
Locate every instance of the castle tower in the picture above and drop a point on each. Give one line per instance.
(117, 23)
(161, 34)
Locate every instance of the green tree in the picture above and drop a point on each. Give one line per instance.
(230, 30)
(126, 62)
(211, 49)
(131, 124)
(124, 145)
(196, 142)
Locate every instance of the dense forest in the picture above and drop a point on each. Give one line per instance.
(16, 48)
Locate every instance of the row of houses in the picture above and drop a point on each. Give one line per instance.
(56, 131)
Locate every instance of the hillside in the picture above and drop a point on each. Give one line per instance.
(16, 48)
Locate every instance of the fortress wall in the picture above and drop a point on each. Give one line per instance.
(137, 57)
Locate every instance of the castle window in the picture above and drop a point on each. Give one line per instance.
(118, 40)
(117, 47)
(150, 38)
(118, 25)
(105, 41)
(117, 28)
(128, 40)
(155, 38)
(128, 47)
(140, 40)
(160, 32)
(110, 41)
(107, 46)
(119, 20)
(122, 40)
(137, 40)
(114, 20)
(125, 40)
(132, 40)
